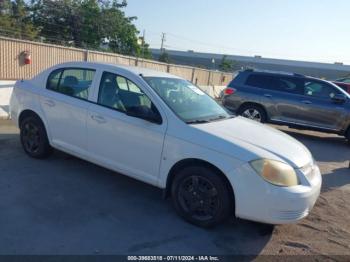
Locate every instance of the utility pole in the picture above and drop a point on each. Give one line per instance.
(143, 43)
(163, 41)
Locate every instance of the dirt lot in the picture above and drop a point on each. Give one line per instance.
(64, 205)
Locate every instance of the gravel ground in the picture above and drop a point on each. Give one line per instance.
(64, 205)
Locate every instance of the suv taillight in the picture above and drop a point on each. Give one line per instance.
(229, 91)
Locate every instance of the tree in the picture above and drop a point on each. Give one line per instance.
(119, 30)
(15, 20)
(79, 23)
(227, 65)
(88, 24)
(164, 57)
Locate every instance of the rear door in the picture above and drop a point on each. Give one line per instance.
(280, 95)
(65, 102)
(286, 96)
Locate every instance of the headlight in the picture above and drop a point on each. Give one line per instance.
(275, 172)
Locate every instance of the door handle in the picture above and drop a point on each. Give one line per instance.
(267, 95)
(306, 102)
(49, 103)
(98, 119)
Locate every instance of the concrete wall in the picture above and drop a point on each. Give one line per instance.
(46, 55)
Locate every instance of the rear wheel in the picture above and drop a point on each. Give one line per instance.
(201, 196)
(253, 112)
(34, 138)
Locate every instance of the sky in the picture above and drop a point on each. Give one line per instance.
(308, 30)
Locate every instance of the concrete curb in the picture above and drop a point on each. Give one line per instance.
(5, 117)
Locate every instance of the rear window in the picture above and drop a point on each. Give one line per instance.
(284, 84)
(74, 82)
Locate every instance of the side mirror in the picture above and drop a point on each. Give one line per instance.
(339, 98)
(145, 113)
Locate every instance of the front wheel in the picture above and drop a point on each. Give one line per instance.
(34, 138)
(201, 196)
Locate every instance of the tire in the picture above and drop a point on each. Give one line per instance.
(201, 196)
(34, 138)
(253, 112)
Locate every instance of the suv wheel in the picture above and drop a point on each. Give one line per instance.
(34, 138)
(253, 112)
(201, 197)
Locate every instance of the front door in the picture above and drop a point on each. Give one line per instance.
(127, 144)
(319, 108)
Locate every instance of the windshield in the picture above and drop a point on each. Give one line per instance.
(187, 101)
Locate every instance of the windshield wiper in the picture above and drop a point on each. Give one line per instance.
(220, 118)
(202, 121)
(197, 121)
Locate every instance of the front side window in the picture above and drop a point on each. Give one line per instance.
(187, 101)
(118, 92)
(71, 81)
(319, 89)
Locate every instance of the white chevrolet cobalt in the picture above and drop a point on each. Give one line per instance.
(165, 131)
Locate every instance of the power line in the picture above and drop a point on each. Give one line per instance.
(251, 52)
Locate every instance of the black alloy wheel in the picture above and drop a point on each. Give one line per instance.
(201, 196)
(34, 138)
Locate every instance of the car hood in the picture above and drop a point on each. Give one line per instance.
(248, 140)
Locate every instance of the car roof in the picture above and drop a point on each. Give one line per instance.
(133, 69)
(271, 72)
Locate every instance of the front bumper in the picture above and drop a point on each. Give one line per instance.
(260, 201)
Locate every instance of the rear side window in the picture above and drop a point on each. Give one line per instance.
(277, 83)
(260, 81)
(290, 85)
(74, 82)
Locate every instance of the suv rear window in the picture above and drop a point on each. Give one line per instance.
(277, 83)
(261, 81)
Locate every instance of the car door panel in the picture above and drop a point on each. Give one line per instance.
(67, 120)
(320, 110)
(129, 145)
(279, 95)
(126, 144)
(322, 113)
(66, 113)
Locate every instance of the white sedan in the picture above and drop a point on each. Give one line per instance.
(165, 131)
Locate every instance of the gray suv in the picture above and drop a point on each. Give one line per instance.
(289, 99)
